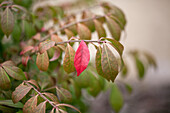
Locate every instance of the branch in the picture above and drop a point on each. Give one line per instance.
(71, 24)
(69, 41)
(50, 102)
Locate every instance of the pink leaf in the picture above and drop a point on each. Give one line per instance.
(25, 60)
(26, 49)
(56, 54)
(81, 58)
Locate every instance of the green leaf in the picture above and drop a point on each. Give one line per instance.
(124, 70)
(109, 64)
(83, 32)
(114, 28)
(68, 63)
(7, 21)
(11, 104)
(5, 109)
(20, 92)
(115, 11)
(140, 67)
(129, 88)
(30, 105)
(150, 59)
(89, 23)
(40, 108)
(100, 29)
(5, 82)
(116, 44)
(43, 46)
(15, 72)
(64, 95)
(116, 98)
(42, 61)
(98, 61)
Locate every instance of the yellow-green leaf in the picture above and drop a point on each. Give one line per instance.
(89, 23)
(11, 104)
(64, 95)
(83, 32)
(109, 64)
(5, 82)
(68, 63)
(98, 61)
(30, 105)
(20, 92)
(46, 45)
(42, 61)
(7, 21)
(15, 72)
(140, 67)
(114, 28)
(116, 98)
(100, 29)
(116, 44)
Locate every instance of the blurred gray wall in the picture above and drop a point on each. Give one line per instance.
(148, 28)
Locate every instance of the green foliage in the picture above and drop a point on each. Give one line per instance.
(38, 65)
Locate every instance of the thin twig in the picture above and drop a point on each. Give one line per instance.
(69, 41)
(71, 24)
(50, 102)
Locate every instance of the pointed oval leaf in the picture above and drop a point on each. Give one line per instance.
(25, 60)
(100, 29)
(140, 67)
(56, 55)
(30, 105)
(15, 72)
(116, 44)
(57, 39)
(5, 82)
(52, 97)
(43, 46)
(37, 36)
(114, 28)
(68, 63)
(98, 61)
(8, 63)
(64, 95)
(109, 64)
(151, 60)
(40, 108)
(26, 49)
(7, 21)
(116, 99)
(42, 61)
(83, 32)
(20, 92)
(89, 23)
(11, 104)
(81, 58)
(34, 83)
(69, 33)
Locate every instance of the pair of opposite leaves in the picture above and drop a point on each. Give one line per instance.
(76, 60)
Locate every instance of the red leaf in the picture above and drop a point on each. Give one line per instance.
(26, 49)
(81, 58)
